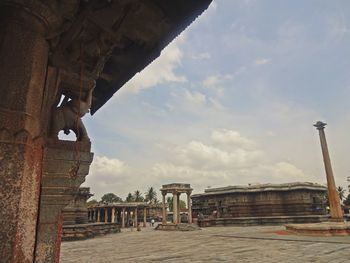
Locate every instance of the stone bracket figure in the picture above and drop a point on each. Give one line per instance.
(68, 116)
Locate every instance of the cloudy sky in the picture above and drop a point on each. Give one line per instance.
(232, 101)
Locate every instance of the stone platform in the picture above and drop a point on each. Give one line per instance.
(321, 229)
(85, 231)
(177, 227)
(265, 220)
(257, 244)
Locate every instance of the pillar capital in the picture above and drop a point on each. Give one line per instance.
(320, 125)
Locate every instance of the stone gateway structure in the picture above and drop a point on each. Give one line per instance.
(176, 190)
(260, 204)
(80, 53)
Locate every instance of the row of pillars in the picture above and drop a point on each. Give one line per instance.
(176, 207)
(122, 216)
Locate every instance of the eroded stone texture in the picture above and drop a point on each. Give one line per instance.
(261, 204)
(23, 57)
(65, 165)
(76, 212)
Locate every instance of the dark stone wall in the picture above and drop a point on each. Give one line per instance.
(259, 204)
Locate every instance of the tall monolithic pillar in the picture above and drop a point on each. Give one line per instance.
(175, 208)
(164, 209)
(23, 64)
(189, 205)
(333, 195)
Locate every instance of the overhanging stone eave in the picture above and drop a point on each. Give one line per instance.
(107, 87)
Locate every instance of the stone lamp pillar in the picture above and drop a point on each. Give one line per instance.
(333, 195)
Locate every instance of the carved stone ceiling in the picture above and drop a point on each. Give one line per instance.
(112, 40)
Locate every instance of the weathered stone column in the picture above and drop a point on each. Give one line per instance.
(113, 215)
(164, 209)
(333, 195)
(106, 214)
(98, 215)
(23, 65)
(63, 172)
(144, 217)
(123, 217)
(178, 208)
(135, 217)
(175, 208)
(189, 205)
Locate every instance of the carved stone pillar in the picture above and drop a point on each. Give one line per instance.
(113, 215)
(135, 217)
(123, 217)
(98, 215)
(189, 205)
(164, 220)
(178, 208)
(106, 214)
(175, 208)
(333, 195)
(64, 170)
(144, 216)
(23, 64)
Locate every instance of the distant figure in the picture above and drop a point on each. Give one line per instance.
(152, 222)
(200, 219)
(131, 224)
(138, 227)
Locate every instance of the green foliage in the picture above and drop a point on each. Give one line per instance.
(111, 198)
(138, 196)
(170, 204)
(130, 198)
(151, 196)
(347, 200)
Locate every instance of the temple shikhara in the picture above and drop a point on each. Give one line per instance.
(58, 61)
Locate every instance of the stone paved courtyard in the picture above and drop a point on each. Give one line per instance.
(216, 244)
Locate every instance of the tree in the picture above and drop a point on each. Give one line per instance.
(347, 201)
(138, 196)
(130, 198)
(170, 204)
(341, 192)
(151, 195)
(111, 198)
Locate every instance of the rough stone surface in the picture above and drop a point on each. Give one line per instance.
(85, 231)
(323, 229)
(273, 202)
(217, 244)
(65, 160)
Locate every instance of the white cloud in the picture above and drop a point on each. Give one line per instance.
(232, 138)
(262, 61)
(200, 56)
(160, 71)
(195, 97)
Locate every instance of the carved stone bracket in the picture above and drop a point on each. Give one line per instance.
(59, 188)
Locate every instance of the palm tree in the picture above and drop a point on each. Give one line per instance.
(138, 196)
(341, 192)
(130, 198)
(151, 195)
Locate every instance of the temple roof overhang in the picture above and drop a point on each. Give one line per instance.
(113, 40)
(263, 188)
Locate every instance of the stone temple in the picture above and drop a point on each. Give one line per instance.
(60, 59)
(265, 204)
